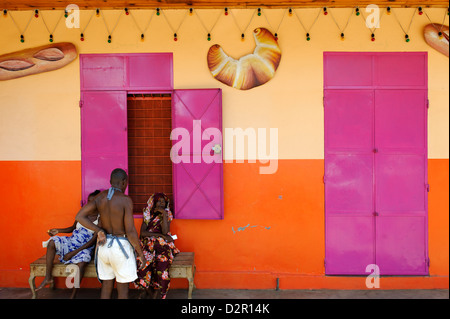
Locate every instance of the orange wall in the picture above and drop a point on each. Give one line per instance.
(35, 196)
(38, 195)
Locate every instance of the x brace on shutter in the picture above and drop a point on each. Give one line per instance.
(204, 111)
(197, 187)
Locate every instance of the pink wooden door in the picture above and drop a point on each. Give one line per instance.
(197, 169)
(103, 138)
(376, 163)
(349, 181)
(401, 182)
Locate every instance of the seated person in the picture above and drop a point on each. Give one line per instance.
(76, 249)
(157, 245)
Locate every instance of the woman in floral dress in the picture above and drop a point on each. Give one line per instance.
(157, 245)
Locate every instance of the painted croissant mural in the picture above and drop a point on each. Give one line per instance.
(440, 42)
(251, 70)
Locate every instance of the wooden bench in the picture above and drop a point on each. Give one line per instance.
(182, 267)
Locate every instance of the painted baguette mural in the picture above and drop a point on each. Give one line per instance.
(36, 60)
(436, 35)
(251, 70)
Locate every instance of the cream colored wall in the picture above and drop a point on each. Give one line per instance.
(40, 117)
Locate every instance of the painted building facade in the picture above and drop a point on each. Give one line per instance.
(277, 225)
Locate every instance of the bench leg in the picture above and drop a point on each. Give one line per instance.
(191, 287)
(193, 276)
(190, 278)
(32, 283)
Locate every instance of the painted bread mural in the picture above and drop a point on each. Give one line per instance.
(36, 60)
(436, 40)
(251, 70)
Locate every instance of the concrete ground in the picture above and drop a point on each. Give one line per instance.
(86, 293)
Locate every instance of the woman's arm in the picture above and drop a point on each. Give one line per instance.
(165, 226)
(55, 231)
(145, 233)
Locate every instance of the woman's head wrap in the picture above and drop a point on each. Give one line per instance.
(151, 203)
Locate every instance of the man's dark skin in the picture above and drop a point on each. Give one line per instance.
(116, 216)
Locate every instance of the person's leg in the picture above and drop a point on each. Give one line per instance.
(153, 293)
(51, 252)
(122, 290)
(162, 272)
(107, 288)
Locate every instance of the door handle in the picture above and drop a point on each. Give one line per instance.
(217, 149)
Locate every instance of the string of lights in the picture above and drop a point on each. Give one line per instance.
(242, 25)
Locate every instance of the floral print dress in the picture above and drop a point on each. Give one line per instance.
(158, 252)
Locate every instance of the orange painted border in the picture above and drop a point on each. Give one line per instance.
(273, 226)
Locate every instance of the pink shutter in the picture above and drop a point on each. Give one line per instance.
(103, 138)
(401, 181)
(348, 181)
(150, 70)
(103, 72)
(376, 206)
(197, 177)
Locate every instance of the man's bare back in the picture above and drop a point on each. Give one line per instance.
(116, 218)
(112, 212)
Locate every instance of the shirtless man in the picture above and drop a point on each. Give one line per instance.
(118, 239)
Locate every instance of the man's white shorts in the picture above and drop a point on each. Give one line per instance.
(112, 262)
